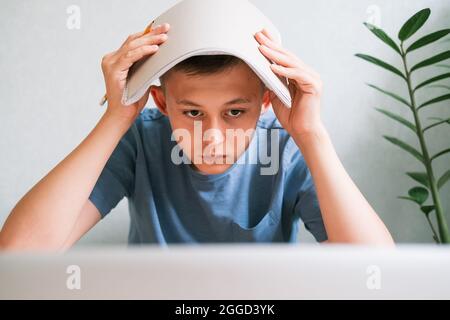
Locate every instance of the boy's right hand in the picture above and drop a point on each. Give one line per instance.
(116, 64)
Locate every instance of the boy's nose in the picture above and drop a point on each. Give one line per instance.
(213, 127)
(214, 136)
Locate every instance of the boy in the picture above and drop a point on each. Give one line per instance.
(211, 197)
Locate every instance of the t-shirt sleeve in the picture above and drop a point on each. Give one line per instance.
(116, 180)
(307, 204)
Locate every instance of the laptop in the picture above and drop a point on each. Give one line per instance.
(229, 271)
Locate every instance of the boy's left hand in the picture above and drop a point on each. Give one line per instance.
(305, 87)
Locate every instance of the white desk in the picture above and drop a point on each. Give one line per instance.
(231, 272)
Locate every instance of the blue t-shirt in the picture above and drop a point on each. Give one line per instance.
(174, 203)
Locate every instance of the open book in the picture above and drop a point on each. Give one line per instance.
(206, 27)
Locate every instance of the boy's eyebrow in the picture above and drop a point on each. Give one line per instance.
(193, 104)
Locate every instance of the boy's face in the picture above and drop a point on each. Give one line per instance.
(213, 116)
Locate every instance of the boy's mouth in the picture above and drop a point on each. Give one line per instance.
(218, 158)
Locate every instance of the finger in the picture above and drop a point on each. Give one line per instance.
(305, 81)
(156, 36)
(277, 57)
(146, 40)
(268, 38)
(130, 38)
(157, 30)
(126, 60)
(134, 36)
(267, 33)
(162, 28)
(262, 39)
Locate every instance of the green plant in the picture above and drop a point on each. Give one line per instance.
(427, 178)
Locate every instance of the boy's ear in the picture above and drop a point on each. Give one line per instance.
(266, 104)
(159, 98)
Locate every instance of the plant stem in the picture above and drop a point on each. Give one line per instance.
(442, 224)
(435, 236)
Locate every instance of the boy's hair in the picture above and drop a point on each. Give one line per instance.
(203, 65)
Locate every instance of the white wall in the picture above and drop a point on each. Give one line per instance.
(52, 81)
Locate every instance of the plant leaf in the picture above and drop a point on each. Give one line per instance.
(427, 209)
(407, 198)
(437, 58)
(441, 86)
(441, 121)
(440, 153)
(435, 100)
(434, 79)
(383, 36)
(405, 147)
(419, 194)
(420, 177)
(443, 66)
(413, 24)
(381, 63)
(398, 118)
(430, 38)
(443, 179)
(392, 95)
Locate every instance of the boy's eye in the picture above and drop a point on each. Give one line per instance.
(192, 113)
(234, 112)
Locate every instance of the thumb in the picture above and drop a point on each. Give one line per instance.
(143, 101)
(280, 110)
